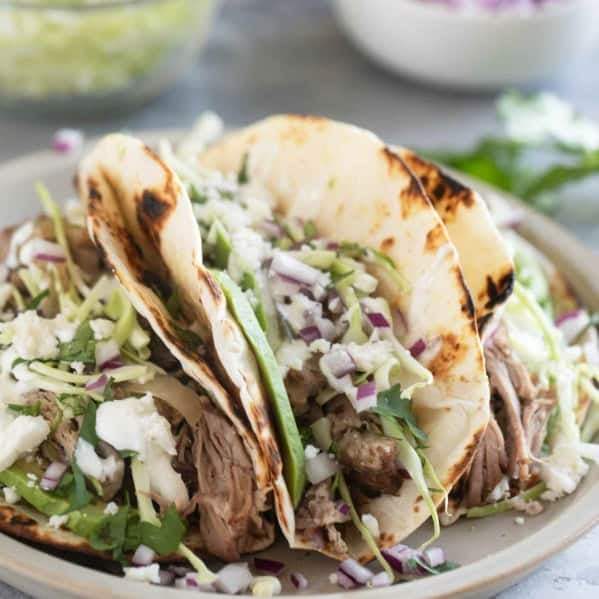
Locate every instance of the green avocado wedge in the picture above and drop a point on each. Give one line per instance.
(293, 451)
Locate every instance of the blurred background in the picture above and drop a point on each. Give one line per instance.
(435, 75)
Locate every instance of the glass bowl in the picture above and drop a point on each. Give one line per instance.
(82, 56)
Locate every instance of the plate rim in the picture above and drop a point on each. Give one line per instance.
(472, 578)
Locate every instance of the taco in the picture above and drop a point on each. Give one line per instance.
(109, 444)
(321, 248)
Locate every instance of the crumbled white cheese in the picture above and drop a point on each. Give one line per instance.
(500, 491)
(249, 250)
(92, 464)
(519, 520)
(321, 346)
(292, 355)
(134, 424)
(370, 356)
(311, 452)
(111, 509)
(77, 367)
(295, 312)
(58, 521)
(372, 524)
(19, 435)
(34, 337)
(11, 496)
(102, 328)
(149, 573)
(265, 586)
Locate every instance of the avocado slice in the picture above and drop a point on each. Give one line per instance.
(294, 467)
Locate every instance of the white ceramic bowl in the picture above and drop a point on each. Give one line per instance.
(472, 49)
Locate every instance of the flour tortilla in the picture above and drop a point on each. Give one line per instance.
(354, 188)
(139, 214)
(484, 255)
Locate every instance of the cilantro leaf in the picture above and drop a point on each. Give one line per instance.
(77, 404)
(306, 435)
(88, 427)
(79, 496)
(310, 230)
(415, 562)
(26, 409)
(167, 537)
(196, 196)
(390, 403)
(242, 175)
(82, 348)
(110, 532)
(108, 390)
(34, 302)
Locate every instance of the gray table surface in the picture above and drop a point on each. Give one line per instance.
(273, 56)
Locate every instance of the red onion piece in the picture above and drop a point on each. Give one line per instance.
(49, 258)
(335, 305)
(309, 334)
(67, 140)
(332, 245)
(344, 508)
(567, 316)
(398, 557)
(434, 556)
(107, 352)
(233, 579)
(356, 571)
(340, 363)
(366, 390)
(300, 582)
(179, 571)
(97, 383)
(382, 579)
(286, 265)
(378, 320)
(327, 328)
(52, 476)
(417, 348)
(190, 582)
(271, 228)
(268, 565)
(167, 578)
(143, 556)
(113, 364)
(345, 581)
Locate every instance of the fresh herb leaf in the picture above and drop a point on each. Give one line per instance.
(77, 404)
(306, 435)
(352, 250)
(108, 390)
(310, 231)
(26, 409)
(391, 403)
(173, 304)
(34, 302)
(82, 348)
(242, 175)
(190, 339)
(415, 562)
(88, 427)
(116, 533)
(17, 361)
(79, 496)
(167, 537)
(196, 196)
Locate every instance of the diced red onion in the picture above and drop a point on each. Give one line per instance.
(319, 292)
(378, 320)
(271, 228)
(49, 258)
(367, 396)
(67, 140)
(167, 578)
(179, 571)
(233, 579)
(398, 558)
(343, 580)
(43, 250)
(316, 537)
(113, 364)
(300, 582)
(268, 565)
(190, 582)
(143, 556)
(340, 363)
(320, 468)
(567, 316)
(332, 245)
(311, 333)
(107, 352)
(417, 348)
(344, 509)
(97, 383)
(434, 556)
(356, 571)
(286, 265)
(327, 328)
(571, 324)
(52, 476)
(382, 579)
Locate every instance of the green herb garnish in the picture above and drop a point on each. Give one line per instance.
(82, 348)
(26, 409)
(34, 302)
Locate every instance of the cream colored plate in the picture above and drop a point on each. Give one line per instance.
(494, 552)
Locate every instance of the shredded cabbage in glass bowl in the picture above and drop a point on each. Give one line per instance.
(85, 54)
